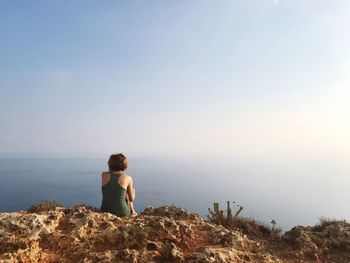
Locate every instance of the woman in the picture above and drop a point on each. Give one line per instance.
(117, 188)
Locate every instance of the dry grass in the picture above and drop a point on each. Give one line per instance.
(44, 206)
(324, 222)
(49, 205)
(250, 227)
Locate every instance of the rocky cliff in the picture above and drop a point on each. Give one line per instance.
(164, 234)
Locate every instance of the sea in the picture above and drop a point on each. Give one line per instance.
(290, 191)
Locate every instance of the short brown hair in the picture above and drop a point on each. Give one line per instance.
(117, 162)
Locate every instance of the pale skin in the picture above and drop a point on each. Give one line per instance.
(126, 182)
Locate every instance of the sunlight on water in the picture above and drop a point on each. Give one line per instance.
(292, 193)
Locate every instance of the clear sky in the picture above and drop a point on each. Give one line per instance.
(237, 77)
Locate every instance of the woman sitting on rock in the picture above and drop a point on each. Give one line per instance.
(117, 188)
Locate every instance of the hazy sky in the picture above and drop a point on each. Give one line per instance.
(237, 77)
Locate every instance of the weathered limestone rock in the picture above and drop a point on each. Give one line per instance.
(163, 234)
(317, 242)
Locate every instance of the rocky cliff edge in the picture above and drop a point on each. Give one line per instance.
(163, 234)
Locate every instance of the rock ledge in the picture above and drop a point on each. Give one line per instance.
(163, 234)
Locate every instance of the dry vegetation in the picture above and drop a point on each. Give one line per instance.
(44, 206)
(324, 222)
(250, 227)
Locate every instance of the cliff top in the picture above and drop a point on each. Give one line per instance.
(163, 234)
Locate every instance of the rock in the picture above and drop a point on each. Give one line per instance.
(317, 242)
(162, 234)
(171, 253)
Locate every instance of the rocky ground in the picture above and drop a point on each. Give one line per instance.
(164, 234)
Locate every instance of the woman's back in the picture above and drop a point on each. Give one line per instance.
(114, 196)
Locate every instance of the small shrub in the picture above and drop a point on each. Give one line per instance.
(324, 222)
(44, 206)
(250, 227)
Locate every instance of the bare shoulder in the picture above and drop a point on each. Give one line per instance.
(126, 176)
(105, 174)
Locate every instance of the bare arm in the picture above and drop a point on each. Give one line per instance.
(131, 191)
(105, 178)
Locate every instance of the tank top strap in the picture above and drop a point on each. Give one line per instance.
(115, 175)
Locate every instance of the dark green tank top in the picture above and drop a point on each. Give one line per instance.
(113, 197)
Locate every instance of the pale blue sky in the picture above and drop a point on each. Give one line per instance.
(249, 77)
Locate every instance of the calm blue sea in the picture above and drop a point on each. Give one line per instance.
(291, 192)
